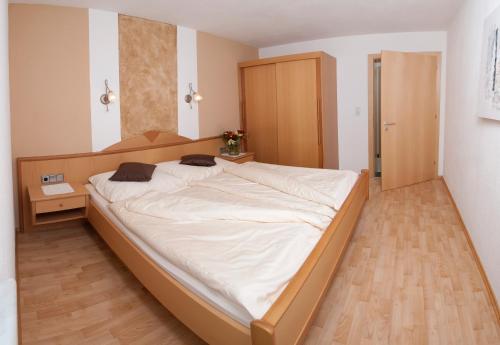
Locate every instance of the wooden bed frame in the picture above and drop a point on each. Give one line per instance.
(288, 319)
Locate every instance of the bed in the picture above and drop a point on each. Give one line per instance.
(209, 313)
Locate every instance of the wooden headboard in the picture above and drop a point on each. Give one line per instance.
(148, 140)
(151, 147)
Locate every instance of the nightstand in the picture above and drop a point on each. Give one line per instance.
(241, 158)
(48, 209)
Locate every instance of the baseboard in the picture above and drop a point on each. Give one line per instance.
(489, 290)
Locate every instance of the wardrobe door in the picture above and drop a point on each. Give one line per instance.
(260, 112)
(298, 107)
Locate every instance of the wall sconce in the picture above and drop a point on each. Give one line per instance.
(108, 97)
(192, 96)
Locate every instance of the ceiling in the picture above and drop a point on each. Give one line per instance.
(263, 23)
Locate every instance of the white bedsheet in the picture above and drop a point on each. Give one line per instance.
(242, 245)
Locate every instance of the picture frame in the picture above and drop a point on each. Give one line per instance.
(489, 79)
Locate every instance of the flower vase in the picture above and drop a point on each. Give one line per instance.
(233, 150)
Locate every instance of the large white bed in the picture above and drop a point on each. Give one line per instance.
(234, 237)
(304, 215)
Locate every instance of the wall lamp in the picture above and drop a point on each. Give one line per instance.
(108, 97)
(192, 96)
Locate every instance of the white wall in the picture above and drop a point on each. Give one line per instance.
(8, 319)
(7, 269)
(352, 68)
(187, 72)
(472, 144)
(104, 64)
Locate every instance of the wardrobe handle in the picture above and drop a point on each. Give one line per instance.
(243, 113)
(318, 119)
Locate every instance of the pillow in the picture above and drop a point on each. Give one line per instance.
(133, 172)
(117, 191)
(198, 160)
(189, 173)
(224, 163)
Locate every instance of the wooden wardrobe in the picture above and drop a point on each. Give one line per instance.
(289, 109)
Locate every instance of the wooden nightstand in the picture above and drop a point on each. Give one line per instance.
(241, 158)
(48, 209)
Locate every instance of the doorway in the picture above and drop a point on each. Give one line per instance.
(403, 117)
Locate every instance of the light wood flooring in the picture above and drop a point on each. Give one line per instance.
(408, 277)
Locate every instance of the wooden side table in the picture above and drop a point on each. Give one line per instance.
(49, 209)
(241, 158)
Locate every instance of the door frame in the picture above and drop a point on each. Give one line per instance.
(371, 123)
(371, 128)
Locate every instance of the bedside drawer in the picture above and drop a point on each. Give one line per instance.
(60, 205)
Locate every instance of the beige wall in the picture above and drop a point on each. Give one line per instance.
(49, 80)
(218, 82)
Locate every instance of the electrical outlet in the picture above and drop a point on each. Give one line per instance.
(52, 178)
(45, 179)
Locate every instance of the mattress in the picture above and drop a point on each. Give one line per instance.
(211, 296)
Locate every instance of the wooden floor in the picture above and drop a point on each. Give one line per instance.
(408, 278)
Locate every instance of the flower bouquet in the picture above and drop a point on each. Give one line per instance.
(232, 139)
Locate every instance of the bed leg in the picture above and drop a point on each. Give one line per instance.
(262, 333)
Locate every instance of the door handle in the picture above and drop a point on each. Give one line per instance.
(387, 124)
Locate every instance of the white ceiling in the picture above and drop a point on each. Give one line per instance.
(264, 23)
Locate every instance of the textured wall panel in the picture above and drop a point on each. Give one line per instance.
(148, 76)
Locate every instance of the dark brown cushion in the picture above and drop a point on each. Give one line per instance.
(133, 172)
(198, 160)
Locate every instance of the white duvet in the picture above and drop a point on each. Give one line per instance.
(336, 184)
(198, 203)
(243, 233)
(248, 263)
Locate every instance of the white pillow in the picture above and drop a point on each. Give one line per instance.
(190, 173)
(114, 191)
(224, 163)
